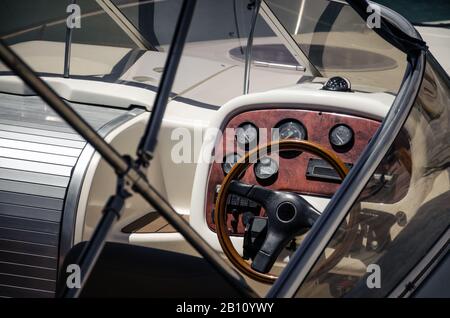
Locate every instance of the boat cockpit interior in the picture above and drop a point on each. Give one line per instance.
(272, 105)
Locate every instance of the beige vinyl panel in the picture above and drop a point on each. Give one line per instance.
(173, 179)
(191, 71)
(229, 84)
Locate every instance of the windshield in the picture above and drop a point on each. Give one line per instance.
(126, 42)
(401, 213)
(36, 30)
(340, 43)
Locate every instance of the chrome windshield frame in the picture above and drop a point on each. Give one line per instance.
(126, 25)
(277, 27)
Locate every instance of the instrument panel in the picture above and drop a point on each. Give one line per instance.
(303, 173)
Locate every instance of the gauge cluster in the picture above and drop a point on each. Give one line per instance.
(345, 135)
(341, 138)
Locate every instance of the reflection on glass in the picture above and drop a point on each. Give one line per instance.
(402, 211)
(338, 42)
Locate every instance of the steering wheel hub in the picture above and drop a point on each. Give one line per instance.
(286, 212)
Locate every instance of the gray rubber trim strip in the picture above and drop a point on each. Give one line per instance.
(41, 238)
(28, 248)
(27, 259)
(40, 132)
(26, 224)
(42, 140)
(36, 125)
(31, 200)
(37, 156)
(17, 269)
(34, 177)
(30, 212)
(58, 150)
(28, 282)
(32, 188)
(14, 291)
(35, 166)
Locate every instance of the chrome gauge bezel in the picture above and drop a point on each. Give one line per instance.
(345, 144)
(237, 156)
(297, 124)
(241, 139)
(266, 178)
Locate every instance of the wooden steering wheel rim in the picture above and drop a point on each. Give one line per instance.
(220, 216)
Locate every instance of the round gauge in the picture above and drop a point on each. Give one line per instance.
(229, 161)
(247, 135)
(341, 136)
(290, 129)
(266, 168)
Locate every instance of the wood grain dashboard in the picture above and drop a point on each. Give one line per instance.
(292, 172)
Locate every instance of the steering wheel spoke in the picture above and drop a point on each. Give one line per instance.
(253, 192)
(269, 251)
(310, 213)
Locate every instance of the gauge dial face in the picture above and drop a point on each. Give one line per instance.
(229, 162)
(266, 168)
(341, 136)
(290, 130)
(247, 135)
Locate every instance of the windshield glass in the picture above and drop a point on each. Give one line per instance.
(340, 43)
(402, 211)
(36, 30)
(126, 42)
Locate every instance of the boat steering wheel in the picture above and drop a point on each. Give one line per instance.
(288, 213)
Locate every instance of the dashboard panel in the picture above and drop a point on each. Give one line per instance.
(303, 173)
